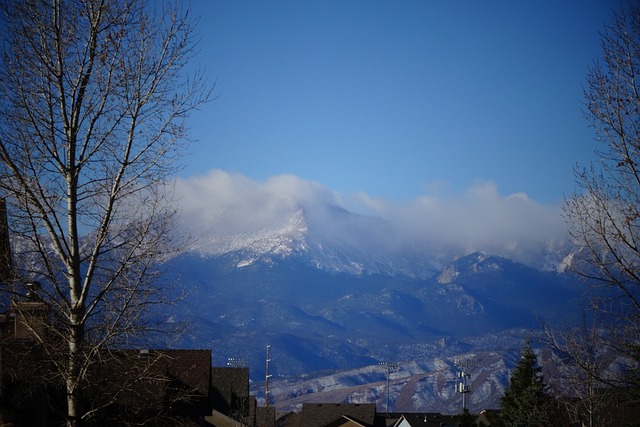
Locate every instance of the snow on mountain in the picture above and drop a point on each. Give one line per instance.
(326, 236)
(289, 216)
(278, 231)
(414, 386)
(334, 289)
(318, 319)
(332, 238)
(336, 322)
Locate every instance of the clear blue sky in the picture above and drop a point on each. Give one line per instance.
(398, 98)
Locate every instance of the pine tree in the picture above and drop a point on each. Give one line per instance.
(525, 403)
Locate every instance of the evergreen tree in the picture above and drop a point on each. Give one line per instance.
(525, 403)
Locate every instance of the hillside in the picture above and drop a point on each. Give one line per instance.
(329, 292)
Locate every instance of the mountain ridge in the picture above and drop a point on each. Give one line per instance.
(357, 313)
(332, 238)
(331, 291)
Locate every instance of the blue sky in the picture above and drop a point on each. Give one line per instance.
(398, 99)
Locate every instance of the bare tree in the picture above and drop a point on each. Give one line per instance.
(586, 367)
(604, 218)
(604, 215)
(94, 96)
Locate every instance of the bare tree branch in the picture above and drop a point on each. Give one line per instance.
(95, 95)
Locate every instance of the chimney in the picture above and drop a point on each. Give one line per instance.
(31, 319)
(30, 314)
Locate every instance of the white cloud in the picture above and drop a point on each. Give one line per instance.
(227, 204)
(481, 219)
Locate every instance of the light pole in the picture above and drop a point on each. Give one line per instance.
(236, 362)
(388, 366)
(464, 365)
(266, 387)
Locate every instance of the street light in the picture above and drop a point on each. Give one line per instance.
(266, 377)
(389, 366)
(236, 362)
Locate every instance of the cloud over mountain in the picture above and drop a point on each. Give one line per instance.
(225, 204)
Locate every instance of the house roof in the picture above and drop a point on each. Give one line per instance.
(229, 388)
(323, 414)
(155, 378)
(428, 419)
(345, 421)
(127, 383)
(191, 367)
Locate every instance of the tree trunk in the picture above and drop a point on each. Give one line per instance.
(74, 404)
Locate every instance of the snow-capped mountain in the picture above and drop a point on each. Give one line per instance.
(333, 239)
(331, 290)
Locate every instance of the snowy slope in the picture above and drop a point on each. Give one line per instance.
(331, 290)
(333, 239)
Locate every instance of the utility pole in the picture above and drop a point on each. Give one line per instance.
(463, 387)
(266, 387)
(389, 366)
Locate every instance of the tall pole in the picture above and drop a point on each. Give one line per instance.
(388, 366)
(266, 387)
(464, 365)
(464, 389)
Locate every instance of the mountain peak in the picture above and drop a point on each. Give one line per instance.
(329, 237)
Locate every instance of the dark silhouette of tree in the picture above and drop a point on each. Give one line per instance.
(466, 419)
(525, 402)
(94, 97)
